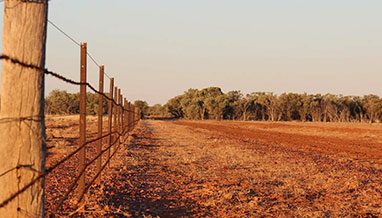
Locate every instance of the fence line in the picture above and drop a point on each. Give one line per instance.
(122, 118)
(56, 75)
(71, 187)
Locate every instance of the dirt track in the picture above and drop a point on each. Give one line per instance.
(244, 169)
(357, 147)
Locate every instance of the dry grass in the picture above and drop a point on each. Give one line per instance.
(238, 177)
(231, 169)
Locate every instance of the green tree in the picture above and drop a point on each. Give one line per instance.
(370, 103)
(143, 106)
(62, 102)
(192, 104)
(157, 110)
(290, 104)
(233, 110)
(174, 107)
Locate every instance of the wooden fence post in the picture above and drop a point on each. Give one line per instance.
(110, 118)
(100, 121)
(22, 96)
(82, 152)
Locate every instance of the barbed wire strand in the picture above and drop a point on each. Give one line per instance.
(58, 76)
(71, 188)
(63, 78)
(74, 183)
(98, 174)
(49, 170)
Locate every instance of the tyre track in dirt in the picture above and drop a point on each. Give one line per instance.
(234, 174)
(139, 185)
(356, 149)
(194, 169)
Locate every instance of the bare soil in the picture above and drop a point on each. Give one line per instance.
(232, 169)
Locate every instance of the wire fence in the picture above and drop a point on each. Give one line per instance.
(122, 119)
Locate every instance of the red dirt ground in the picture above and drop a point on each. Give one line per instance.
(232, 169)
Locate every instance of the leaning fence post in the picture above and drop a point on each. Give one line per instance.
(110, 118)
(82, 154)
(100, 121)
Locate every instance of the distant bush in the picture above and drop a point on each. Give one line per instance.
(64, 103)
(212, 103)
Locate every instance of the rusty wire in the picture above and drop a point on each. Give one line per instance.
(98, 174)
(61, 77)
(71, 187)
(50, 169)
(31, 118)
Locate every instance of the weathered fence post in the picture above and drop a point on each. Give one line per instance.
(22, 99)
(100, 121)
(110, 118)
(82, 152)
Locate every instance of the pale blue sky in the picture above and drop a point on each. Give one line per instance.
(158, 49)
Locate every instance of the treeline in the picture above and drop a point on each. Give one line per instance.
(60, 102)
(212, 103)
(64, 103)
